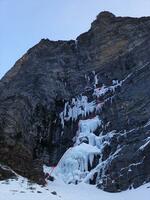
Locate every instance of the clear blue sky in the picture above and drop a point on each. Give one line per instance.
(24, 22)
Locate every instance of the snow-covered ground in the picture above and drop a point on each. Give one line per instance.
(22, 190)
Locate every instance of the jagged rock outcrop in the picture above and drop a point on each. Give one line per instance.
(33, 94)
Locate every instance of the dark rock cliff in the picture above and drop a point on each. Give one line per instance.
(33, 94)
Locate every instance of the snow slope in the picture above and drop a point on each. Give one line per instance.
(22, 190)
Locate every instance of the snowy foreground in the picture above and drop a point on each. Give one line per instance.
(21, 189)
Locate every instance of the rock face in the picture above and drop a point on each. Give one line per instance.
(6, 173)
(33, 94)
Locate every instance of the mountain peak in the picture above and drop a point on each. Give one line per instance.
(105, 15)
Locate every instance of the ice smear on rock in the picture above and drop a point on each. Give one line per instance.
(98, 92)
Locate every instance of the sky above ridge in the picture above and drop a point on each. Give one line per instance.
(23, 23)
